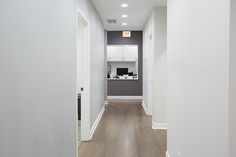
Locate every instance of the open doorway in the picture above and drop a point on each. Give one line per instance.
(83, 78)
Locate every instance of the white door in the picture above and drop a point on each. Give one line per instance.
(83, 75)
(150, 77)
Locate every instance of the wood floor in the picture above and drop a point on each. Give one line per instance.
(125, 131)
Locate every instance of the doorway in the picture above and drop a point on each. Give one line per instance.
(83, 78)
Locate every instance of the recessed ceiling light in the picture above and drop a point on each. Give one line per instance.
(124, 5)
(124, 16)
(124, 24)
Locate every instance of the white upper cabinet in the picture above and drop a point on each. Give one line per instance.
(125, 53)
(114, 53)
(130, 53)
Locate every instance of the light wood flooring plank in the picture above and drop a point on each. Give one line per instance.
(125, 131)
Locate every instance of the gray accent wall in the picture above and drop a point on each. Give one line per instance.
(129, 87)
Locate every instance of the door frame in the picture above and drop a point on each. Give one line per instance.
(83, 74)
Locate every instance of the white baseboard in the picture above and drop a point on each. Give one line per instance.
(145, 109)
(95, 124)
(159, 126)
(167, 154)
(105, 102)
(125, 97)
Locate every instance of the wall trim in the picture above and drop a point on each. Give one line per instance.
(159, 126)
(145, 108)
(125, 97)
(167, 154)
(95, 124)
(105, 102)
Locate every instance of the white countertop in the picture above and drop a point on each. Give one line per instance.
(121, 79)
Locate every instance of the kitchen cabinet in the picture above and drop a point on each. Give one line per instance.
(122, 53)
(114, 53)
(130, 53)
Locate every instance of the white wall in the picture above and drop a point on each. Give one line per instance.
(160, 32)
(233, 80)
(148, 63)
(38, 78)
(155, 65)
(198, 78)
(97, 57)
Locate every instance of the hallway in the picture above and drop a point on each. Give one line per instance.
(64, 60)
(125, 131)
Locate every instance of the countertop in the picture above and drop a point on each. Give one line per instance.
(121, 79)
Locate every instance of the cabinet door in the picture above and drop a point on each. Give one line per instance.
(114, 53)
(110, 51)
(134, 53)
(119, 53)
(126, 53)
(130, 53)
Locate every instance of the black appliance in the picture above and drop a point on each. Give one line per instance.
(122, 71)
(131, 74)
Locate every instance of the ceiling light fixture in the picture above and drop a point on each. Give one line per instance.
(124, 5)
(124, 16)
(124, 24)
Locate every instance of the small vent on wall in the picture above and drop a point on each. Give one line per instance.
(112, 21)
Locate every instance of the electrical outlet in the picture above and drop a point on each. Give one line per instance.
(179, 154)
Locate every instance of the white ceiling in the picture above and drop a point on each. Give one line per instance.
(138, 12)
